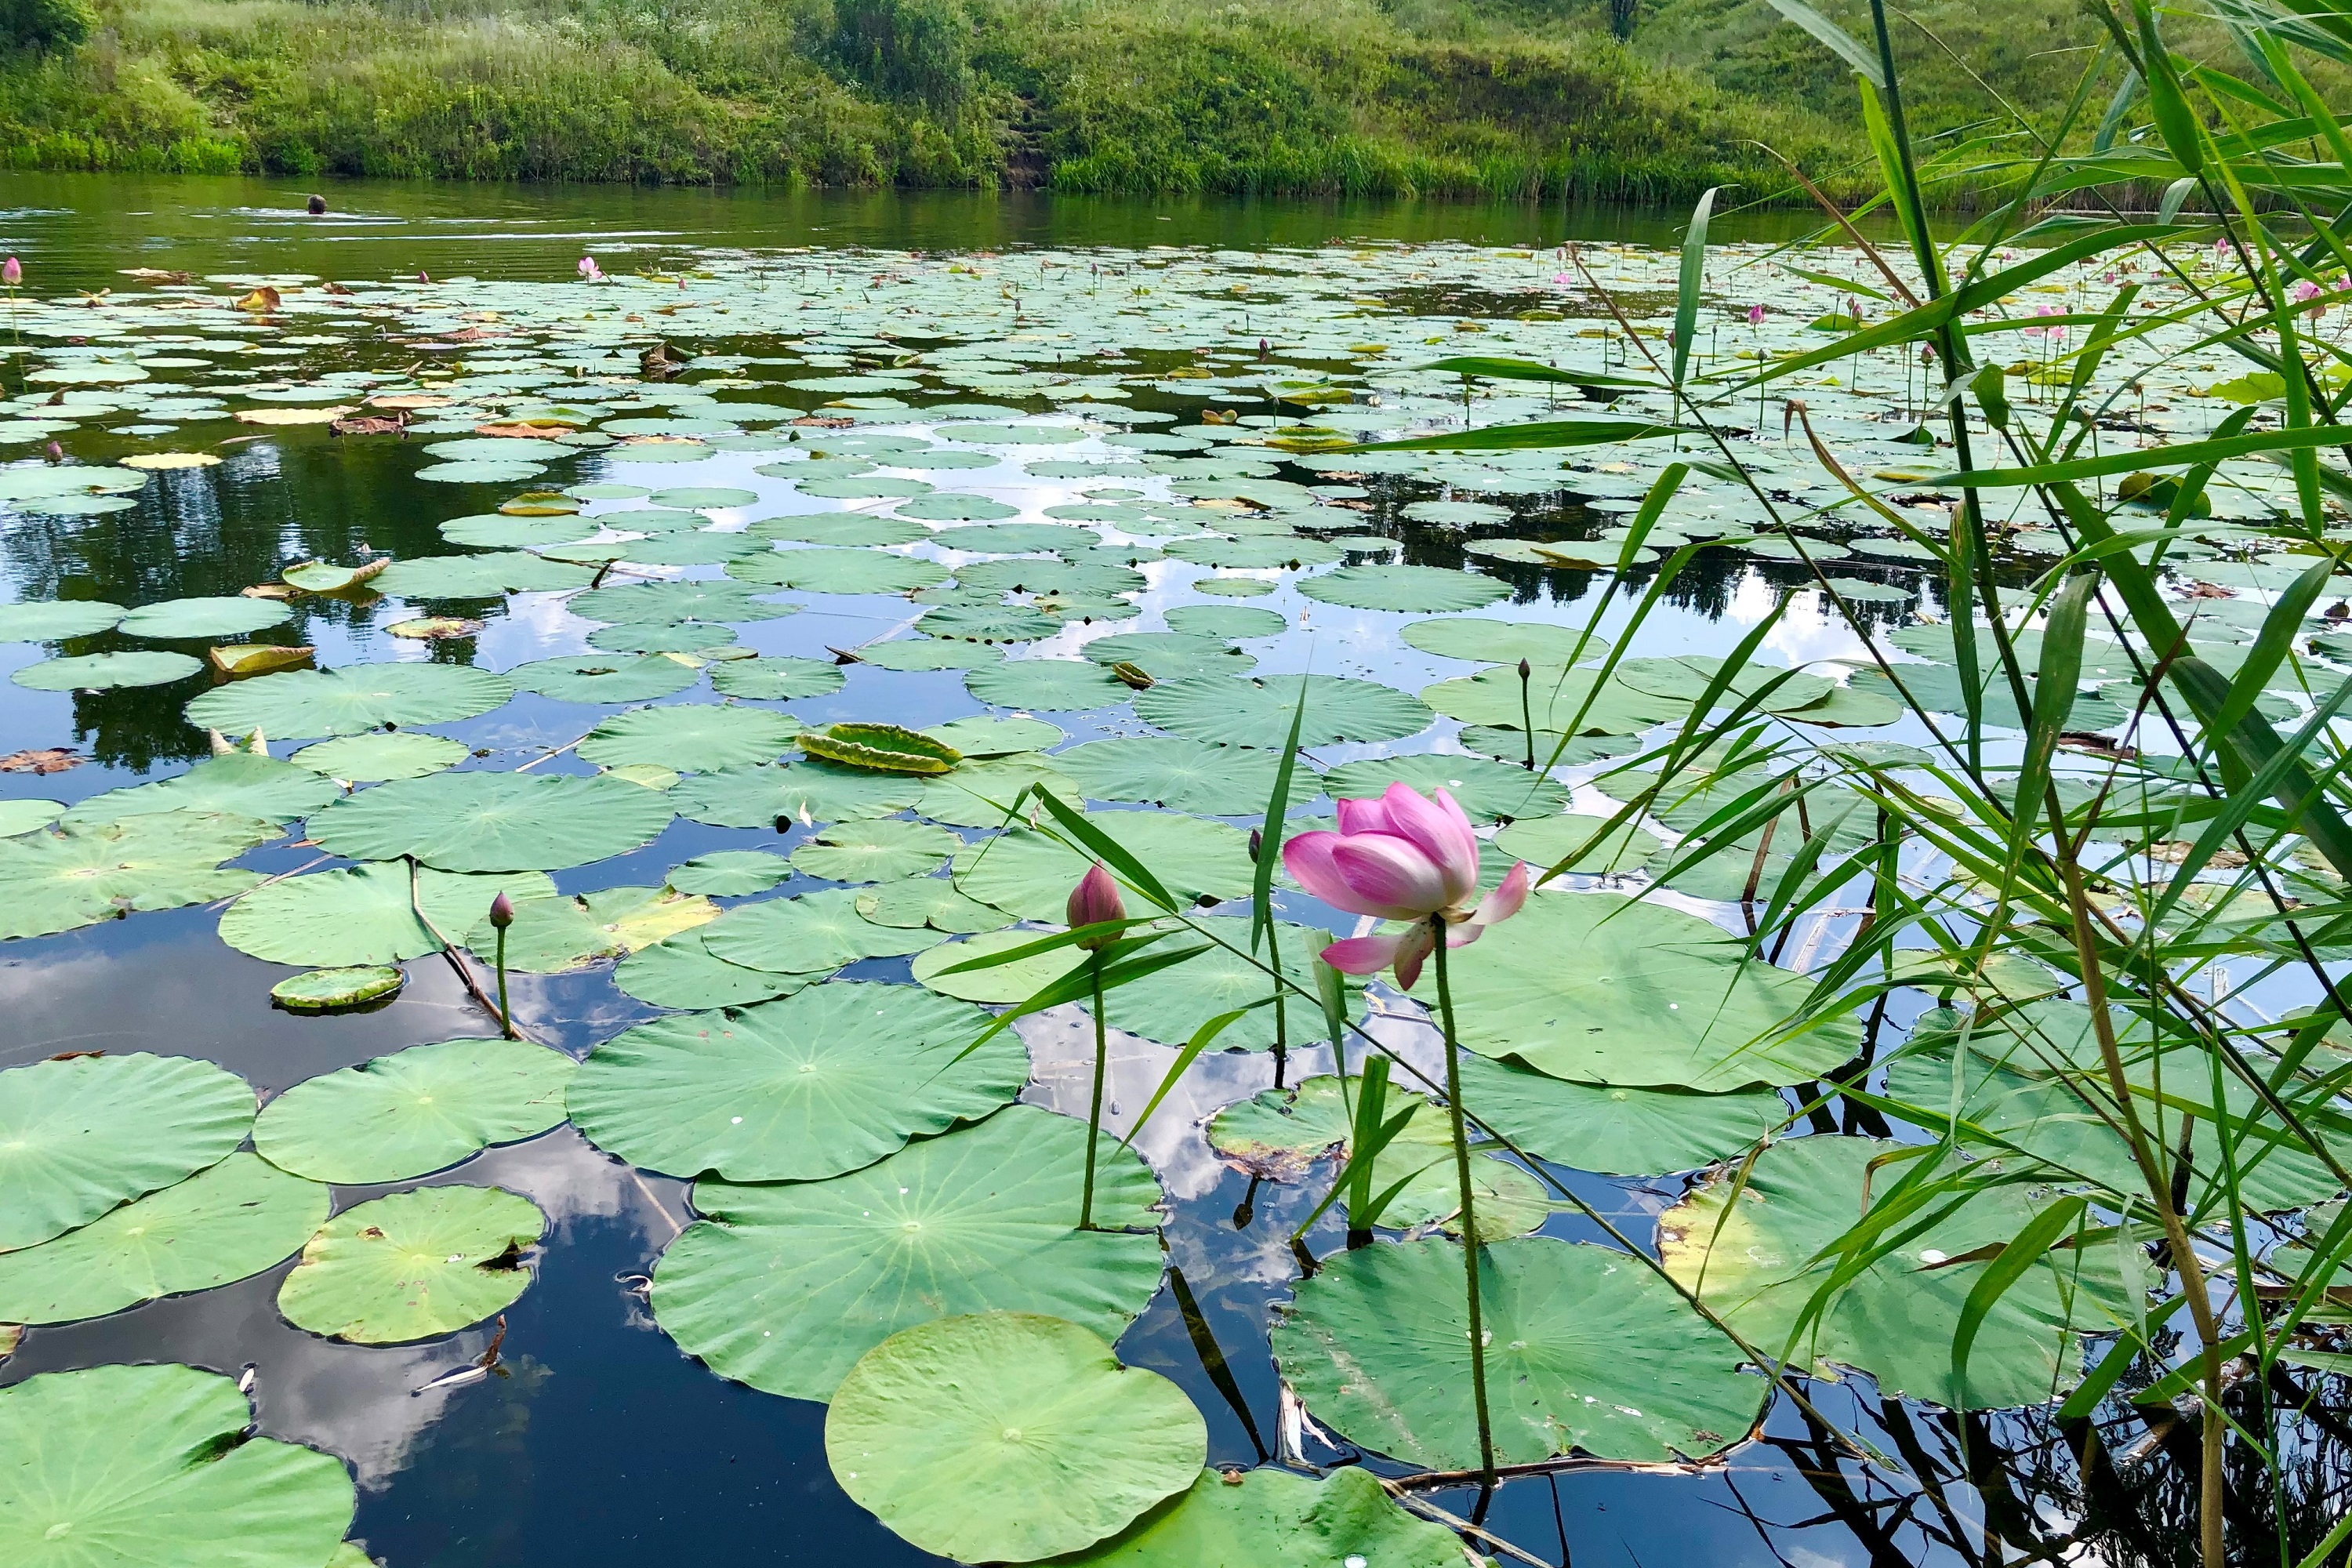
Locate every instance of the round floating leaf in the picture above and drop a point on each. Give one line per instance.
(981, 736)
(607, 677)
(680, 972)
(487, 576)
(227, 1221)
(491, 531)
(1170, 1004)
(824, 569)
(554, 936)
(976, 794)
(644, 603)
(1225, 621)
(80, 1135)
(106, 671)
(1003, 984)
(229, 617)
(373, 759)
(879, 748)
(351, 700)
(493, 822)
(1556, 696)
(1544, 841)
(669, 636)
(1170, 656)
(57, 620)
(810, 791)
(692, 737)
(414, 1111)
(703, 498)
(1274, 1516)
(950, 507)
(1502, 642)
(929, 653)
(1404, 588)
(239, 783)
(56, 881)
(860, 487)
(1235, 587)
(1182, 775)
(988, 623)
(931, 901)
(769, 678)
(1013, 538)
(851, 530)
(1897, 1318)
(1258, 711)
(875, 851)
(1056, 684)
(337, 990)
(729, 873)
(1618, 1132)
(1256, 554)
(22, 815)
(783, 1288)
(1586, 1350)
(1030, 875)
(1606, 989)
(1487, 791)
(825, 1081)
(1011, 1406)
(365, 914)
(122, 1465)
(817, 931)
(414, 1265)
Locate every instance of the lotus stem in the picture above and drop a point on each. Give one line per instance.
(1094, 1116)
(1527, 712)
(505, 1019)
(1469, 1212)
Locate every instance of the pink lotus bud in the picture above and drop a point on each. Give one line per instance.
(12, 272)
(1095, 901)
(1526, 669)
(1256, 845)
(502, 912)
(1755, 315)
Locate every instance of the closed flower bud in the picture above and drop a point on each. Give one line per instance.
(502, 912)
(1256, 843)
(12, 272)
(1095, 901)
(1526, 669)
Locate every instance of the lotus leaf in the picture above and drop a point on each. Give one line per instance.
(1271, 1515)
(106, 671)
(692, 737)
(58, 880)
(414, 1265)
(413, 1112)
(1244, 711)
(493, 822)
(375, 758)
(809, 792)
(729, 873)
(80, 1135)
(238, 783)
(350, 700)
(875, 851)
(228, 616)
(769, 678)
(1026, 873)
(1487, 791)
(607, 677)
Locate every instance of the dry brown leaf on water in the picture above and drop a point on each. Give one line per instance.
(293, 415)
(264, 298)
(156, 275)
(242, 659)
(367, 425)
(41, 760)
(410, 400)
(169, 460)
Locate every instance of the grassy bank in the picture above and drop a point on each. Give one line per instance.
(1427, 97)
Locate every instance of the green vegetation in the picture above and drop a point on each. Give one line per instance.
(1504, 98)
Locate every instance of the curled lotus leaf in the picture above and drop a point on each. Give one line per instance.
(879, 748)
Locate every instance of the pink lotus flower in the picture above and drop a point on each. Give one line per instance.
(1755, 315)
(1095, 901)
(2302, 293)
(589, 271)
(12, 272)
(1404, 857)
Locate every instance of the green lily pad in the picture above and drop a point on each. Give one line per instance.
(783, 1288)
(1278, 1133)
(414, 1265)
(82, 1134)
(1170, 1004)
(1053, 684)
(729, 873)
(413, 1112)
(238, 783)
(644, 603)
(1235, 587)
(810, 932)
(931, 901)
(227, 616)
(1030, 875)
(1897, 1318)
(812, 790)
(1618, 1132)
(1182, 775)
(1555, 697)
(825, 1081)
(981, 736)
(558, 935)
(381, 756)
(824, 569)
(875, 851)
(770, 678)
(1587, 1351)
(1404, 588)
(1246, 711)
(336, 990)
(692, 737)
(1008, 1405)
(977, 793)
(1486, 789)
(929, 653)
(947, 506)
(22, 815)
(1001, 984)
(121, 1465)
(1604, 989)
(57, 620)
(106, 671)
(1502, 642)
(363, 914)
(668, 636)
(490, 575)
(1170, 656)
(607, 677)
(1275, 1516)
(493, 822)
(703, 498)
(350, 700)
(56, 881)
(1229, 622)
(680, 972)
(1544, 841)
(227, 1221)
(851, 530)
(878, 747)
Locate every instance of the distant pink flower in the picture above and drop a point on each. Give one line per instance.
(12, 272)
(2302, 293)
(1404, 856)
(1755, 315)
(589, 271)
(1563, 279)
(1095, 901)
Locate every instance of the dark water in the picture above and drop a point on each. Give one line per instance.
(602, 1444)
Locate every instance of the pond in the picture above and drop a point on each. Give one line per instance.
(575, 566)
